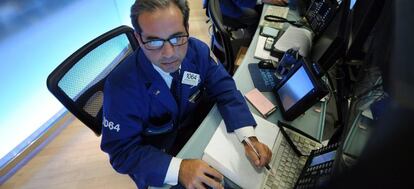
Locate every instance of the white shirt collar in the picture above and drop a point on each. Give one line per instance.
(165, 75)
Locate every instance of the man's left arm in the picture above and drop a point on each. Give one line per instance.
(231, 104)
(237, 116)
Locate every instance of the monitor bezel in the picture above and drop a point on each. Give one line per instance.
(312, 97)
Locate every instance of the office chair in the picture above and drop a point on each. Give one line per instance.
(223, 46)
(227, 21)
(78, 81)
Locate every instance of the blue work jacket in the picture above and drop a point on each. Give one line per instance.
(233, 8)
(138, 104)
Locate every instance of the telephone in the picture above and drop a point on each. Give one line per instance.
(318, 167)
(320, 13)
(269, 43)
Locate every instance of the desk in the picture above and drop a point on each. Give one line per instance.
(311, 122)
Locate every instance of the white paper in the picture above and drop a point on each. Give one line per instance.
(226, 154)
(295, 37)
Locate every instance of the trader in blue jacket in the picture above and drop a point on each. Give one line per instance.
(142, 121)
(245, 13)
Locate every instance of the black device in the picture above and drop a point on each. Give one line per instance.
(299, 90)
(331, 43)
(320, 13)
(319, 167)
(267, 64)
(363, 16)
(269, 43)
(303, 6)
(287, 62)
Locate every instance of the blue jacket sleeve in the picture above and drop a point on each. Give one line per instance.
(121, 134)
(221, 87)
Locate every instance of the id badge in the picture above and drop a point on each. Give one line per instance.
(190, 78)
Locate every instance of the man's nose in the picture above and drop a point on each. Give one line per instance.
(167, 50)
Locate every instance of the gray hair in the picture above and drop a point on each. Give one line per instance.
(141, 6)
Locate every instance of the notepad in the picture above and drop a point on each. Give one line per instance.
(226, 153)
(260, 102)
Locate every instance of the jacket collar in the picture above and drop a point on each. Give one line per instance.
(156, 85)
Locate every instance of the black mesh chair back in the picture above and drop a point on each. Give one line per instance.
(223, 46)
(78, 81)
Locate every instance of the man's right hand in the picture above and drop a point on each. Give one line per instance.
(195, 173)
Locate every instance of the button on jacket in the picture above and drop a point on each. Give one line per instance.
(140, 113)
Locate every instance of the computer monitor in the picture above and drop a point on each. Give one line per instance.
(299, 90)
(332, 42)
(363, 16)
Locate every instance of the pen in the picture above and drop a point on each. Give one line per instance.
(255, 151)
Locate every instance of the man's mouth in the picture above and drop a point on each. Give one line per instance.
(169, 62)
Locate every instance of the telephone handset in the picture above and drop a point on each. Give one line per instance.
(318, 168)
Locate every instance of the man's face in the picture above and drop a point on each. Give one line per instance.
(163, 24)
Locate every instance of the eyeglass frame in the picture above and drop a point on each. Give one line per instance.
(165, 40)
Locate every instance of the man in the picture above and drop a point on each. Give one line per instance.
(143, 120)
(245, 13)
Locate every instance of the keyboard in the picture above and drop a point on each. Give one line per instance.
(276, 11)
(286, 164)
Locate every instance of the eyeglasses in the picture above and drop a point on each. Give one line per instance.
(156, 44)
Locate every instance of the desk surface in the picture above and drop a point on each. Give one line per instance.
(312, 122)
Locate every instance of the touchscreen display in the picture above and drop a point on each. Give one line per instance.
(323, 158)
(297, 86)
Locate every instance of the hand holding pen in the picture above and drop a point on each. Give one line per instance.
(257, 152)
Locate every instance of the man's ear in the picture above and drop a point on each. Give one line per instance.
(188, 29)
(138, 38)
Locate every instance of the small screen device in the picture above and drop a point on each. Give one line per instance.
(319, 167)
(269, 43)
(299, 90)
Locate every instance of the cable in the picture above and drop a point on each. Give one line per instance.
(273, 18)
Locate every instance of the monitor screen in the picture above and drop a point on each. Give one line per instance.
(295, 88)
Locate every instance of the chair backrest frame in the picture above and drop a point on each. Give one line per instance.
(76, 108)
(221, 34)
